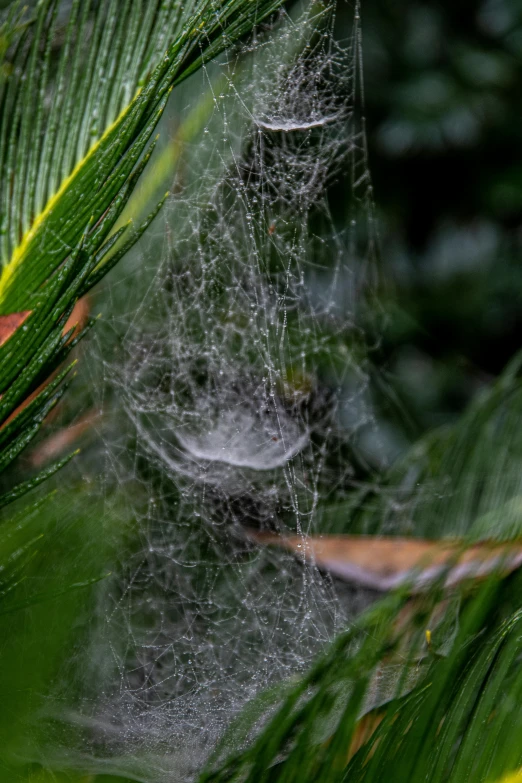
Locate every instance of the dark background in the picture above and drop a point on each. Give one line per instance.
(443, 83)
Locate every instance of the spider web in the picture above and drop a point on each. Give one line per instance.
(235, 397)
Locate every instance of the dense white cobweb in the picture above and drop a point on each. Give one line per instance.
(235, 395)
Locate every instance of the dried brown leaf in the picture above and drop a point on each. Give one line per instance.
(384, 563)
(10, 323)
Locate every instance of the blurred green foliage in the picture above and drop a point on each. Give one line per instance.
(442, 86)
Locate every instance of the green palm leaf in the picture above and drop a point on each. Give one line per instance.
(75, 135)
(448, 717)
(451, 708)
(82, 88)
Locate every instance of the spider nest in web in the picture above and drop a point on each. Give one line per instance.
(239, 390)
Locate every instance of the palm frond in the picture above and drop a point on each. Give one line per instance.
(384, 705)
(75, 135)
(101, 118)
(427, 685)
(460, 479)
